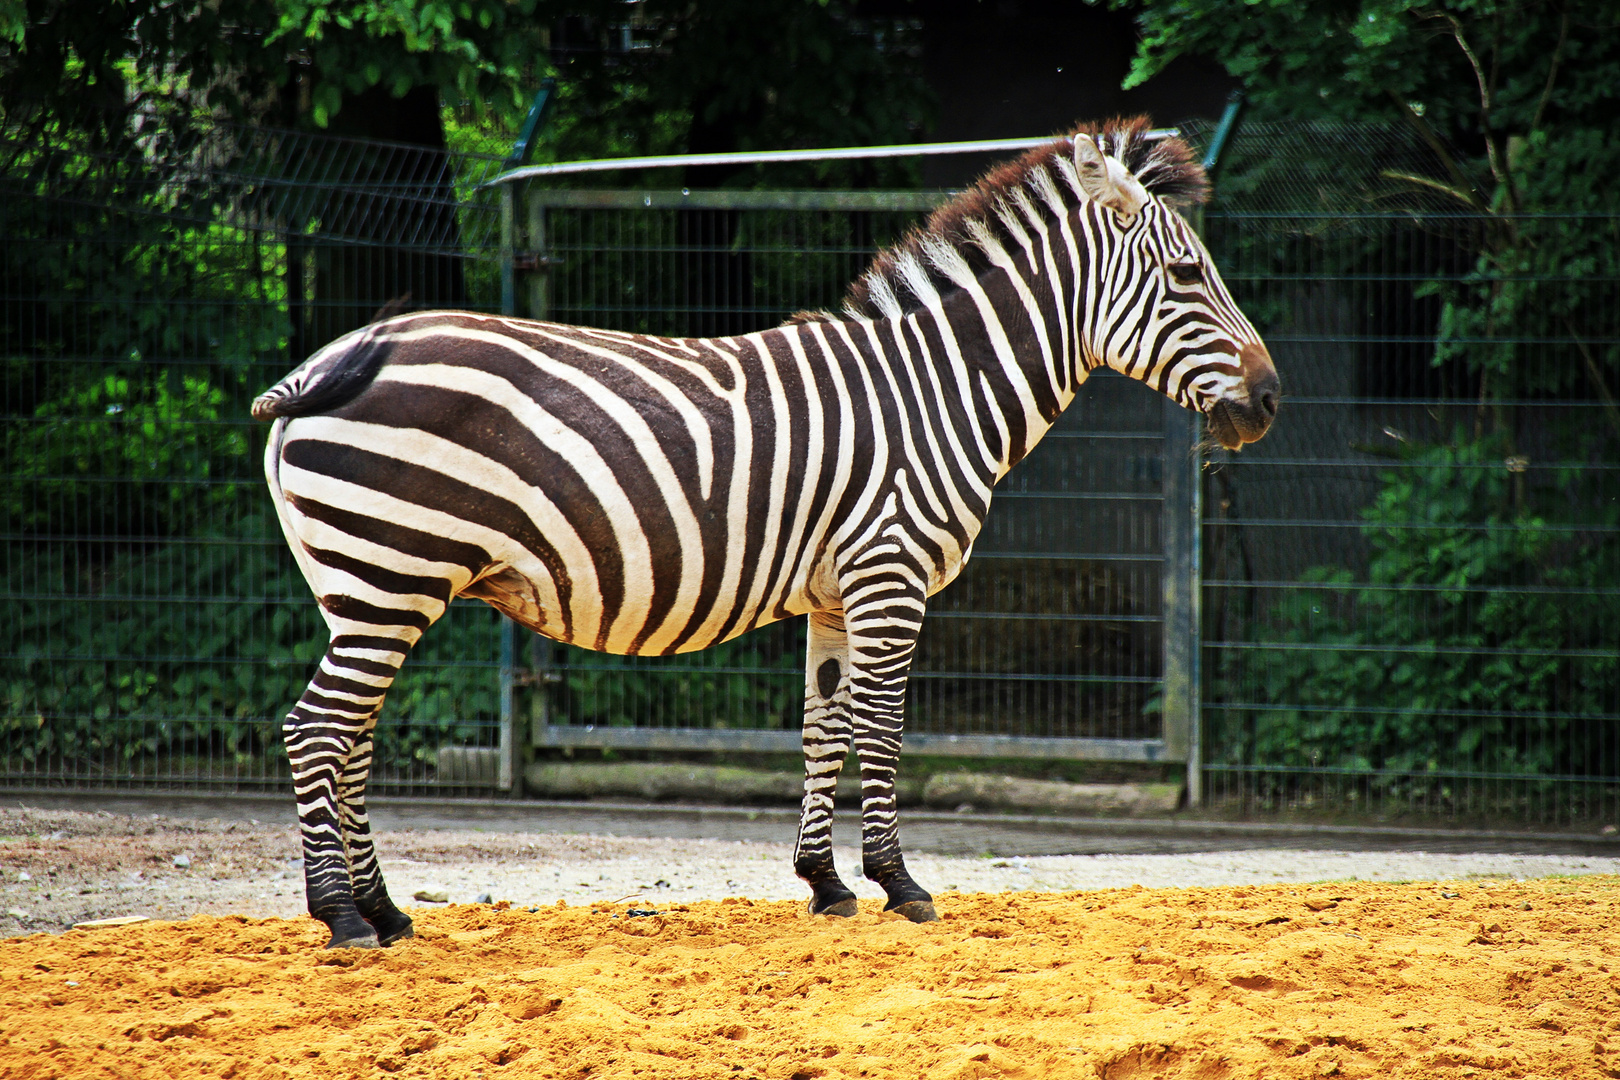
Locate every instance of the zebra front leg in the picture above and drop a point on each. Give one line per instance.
(882, 635)
(370, 894)
(323, 733)
(826, 744)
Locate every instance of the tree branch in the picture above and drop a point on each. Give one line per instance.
(1492, 151)
(1594, 374)
(1552, 71)
(1460, 181)
(1461, 195)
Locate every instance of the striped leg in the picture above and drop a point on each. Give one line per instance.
(884, 613)
(328, 737)
(370, 894)
(826, 744)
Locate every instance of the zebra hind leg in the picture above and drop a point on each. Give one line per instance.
(826, 744)
(370, 894)
(329, 749)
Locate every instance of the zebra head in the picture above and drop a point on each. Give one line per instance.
(1159, 312)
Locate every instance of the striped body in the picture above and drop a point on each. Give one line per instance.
(774, 454)
(643, 495)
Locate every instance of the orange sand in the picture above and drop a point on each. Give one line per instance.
(1343, 980)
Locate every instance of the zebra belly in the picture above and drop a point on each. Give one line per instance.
(517, 597)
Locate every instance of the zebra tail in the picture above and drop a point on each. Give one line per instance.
(328, 380)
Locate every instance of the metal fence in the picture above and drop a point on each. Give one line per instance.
(155, 629)
(1409, 590)
(1411, 586)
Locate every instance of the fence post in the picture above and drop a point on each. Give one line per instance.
(505, 769)
(1183, 554)
(1181, 584)
(540, 258)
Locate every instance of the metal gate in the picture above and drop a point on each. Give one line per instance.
(1068, 636)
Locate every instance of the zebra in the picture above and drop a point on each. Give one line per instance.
(647, 495)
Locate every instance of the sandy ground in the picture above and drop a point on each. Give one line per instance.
(1499, 978)
(624, 958)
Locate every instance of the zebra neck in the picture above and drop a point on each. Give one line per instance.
(1012, 343)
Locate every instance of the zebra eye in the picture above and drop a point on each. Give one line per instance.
(1187, 273)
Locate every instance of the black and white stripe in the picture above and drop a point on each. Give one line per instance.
(646, 495)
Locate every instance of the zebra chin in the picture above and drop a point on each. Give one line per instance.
(1232, 423)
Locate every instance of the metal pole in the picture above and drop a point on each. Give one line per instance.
(542, 653)
(1223, 130)
(506, 763)
(540, 276)
(766, 157)
(506, 759)
(1183, 553)
(508, 250)
(532, 123)
(1181, 586)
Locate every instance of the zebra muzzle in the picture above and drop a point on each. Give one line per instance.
(1246, 418)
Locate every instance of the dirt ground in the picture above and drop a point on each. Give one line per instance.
(62, 866)
(1504, 978)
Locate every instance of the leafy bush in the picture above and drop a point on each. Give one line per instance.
(1479, 642)
(201, 647)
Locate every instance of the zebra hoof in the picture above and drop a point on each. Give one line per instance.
(918, 911)
(391, 924)
(401, 934)
(844, 909)
(359, 941)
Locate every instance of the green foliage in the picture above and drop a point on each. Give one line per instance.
(480, 50)
(157, 444)
(722, 75)
(13, 20)
(152, 611)
(116, 660)
(95, 64)
(121, 661)
(1547, 65)
(1515, 100)
(1530, 316)
(725, 75)
(754, 681)
(1480, 639)
(447, 694)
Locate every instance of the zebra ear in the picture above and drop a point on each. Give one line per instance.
(1106, 180)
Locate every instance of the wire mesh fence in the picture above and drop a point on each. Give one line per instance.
(155, 627)
(1410, 586)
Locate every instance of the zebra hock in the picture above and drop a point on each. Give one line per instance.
(645, 495)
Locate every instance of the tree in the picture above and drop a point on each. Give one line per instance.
(1517, 99)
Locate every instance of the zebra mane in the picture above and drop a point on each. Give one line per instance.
(936, 253)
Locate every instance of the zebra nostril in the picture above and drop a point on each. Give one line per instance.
(1268, 402)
